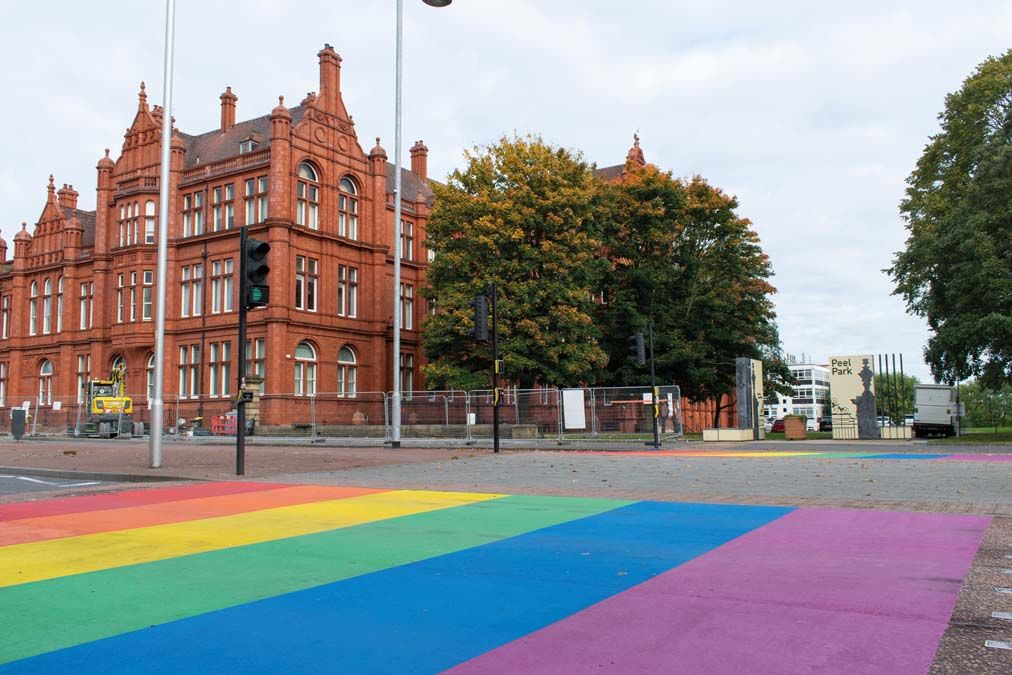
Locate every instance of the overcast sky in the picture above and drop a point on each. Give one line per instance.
(812, 117)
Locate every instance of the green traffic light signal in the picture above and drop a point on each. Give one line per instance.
(256, 271)
(258, 295)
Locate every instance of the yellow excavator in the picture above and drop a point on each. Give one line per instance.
(109, 410)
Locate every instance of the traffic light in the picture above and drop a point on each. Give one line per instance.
(257, 293)
(480, 305)
(638, 348)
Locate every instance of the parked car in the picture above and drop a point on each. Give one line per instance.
(884, 421)
(768, 424)
(778, 426)
(826, 424)
(810, 424)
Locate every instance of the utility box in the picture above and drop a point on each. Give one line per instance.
(935, 410)
(17, 423)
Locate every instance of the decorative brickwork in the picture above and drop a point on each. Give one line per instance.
(81, 282)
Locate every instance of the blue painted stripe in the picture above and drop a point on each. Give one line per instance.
(430, 615)
(902, 455)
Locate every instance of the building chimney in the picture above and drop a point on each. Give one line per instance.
(228, 100)
(420, 160)
(67, 197)
(330, 78)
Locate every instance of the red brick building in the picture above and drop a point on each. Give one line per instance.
(78, 294)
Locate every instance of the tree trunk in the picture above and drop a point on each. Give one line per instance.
(716, 411)
(523, 402)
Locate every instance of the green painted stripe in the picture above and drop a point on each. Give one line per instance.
(47, 615)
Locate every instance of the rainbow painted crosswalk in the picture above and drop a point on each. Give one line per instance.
(270, 578)
(810, 454)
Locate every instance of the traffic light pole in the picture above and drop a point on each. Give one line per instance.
(495, 367)
(653, 385)
(240, 408)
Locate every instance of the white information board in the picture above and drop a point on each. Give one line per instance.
(573, 409)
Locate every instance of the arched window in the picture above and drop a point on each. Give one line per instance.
(59, 305)
(347, 209)
(151, 377)
(47, 307)
(46, 383)
(347, 372)
(149, 222)
(33, 308)
(305, 370)
(136, 222)
(307, 197)
(124, 224)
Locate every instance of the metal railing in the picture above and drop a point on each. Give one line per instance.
(547, 414)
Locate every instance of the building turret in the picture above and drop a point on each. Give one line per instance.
(103, 202)
(635, 154)
(280, 200)
(3, 250)
(378, 160)
(73, 234)
(22, 242)
(178, 151)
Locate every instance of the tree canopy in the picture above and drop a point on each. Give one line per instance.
(525, 215)
(681, 255)
(583, 264)
(956, 268)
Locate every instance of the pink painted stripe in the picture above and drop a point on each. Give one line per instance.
(126, 498)
(853, 592)
(981, 458)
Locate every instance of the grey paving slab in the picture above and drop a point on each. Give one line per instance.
(11, 484)
(981, 484)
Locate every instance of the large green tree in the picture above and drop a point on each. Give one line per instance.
(524, 214)
(680, 254)
(956, 269)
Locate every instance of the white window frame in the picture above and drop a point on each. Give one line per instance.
(305, 371)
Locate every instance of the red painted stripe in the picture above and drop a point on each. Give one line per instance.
(125, 498)
(65, 525)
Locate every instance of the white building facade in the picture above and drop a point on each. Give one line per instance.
(810, 397)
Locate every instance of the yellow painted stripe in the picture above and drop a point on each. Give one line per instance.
(24, 563)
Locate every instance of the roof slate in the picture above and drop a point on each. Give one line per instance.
(411, 184)
(215, 145)
(87, 220)
(610, 172)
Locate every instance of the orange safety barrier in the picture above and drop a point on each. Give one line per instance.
(223, 425)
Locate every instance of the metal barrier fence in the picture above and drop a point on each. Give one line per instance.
(621, 413)
(603, 413)
(61, 414)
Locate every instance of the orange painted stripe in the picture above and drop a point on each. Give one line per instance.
(124, 498)
(110, 520)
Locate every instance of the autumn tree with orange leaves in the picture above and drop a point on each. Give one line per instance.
(583, 264)
(681, 254)
(526, 215)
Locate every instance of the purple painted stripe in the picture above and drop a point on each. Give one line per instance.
(827, 591)
(981, 458)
